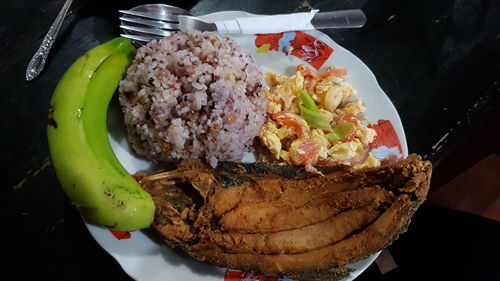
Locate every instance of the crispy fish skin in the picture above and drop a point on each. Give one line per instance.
(306, 238)
(258, 217)
(194, 207)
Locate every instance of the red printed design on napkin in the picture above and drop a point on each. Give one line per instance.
(295, 43)
(120, 234)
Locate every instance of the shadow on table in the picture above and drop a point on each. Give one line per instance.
(444, 244)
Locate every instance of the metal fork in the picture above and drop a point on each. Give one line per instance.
(145, 26)
(148, 26)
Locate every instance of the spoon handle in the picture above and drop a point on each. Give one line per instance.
(339, 19)
(37, 63)
(293, 22)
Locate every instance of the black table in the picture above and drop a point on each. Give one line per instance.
(439, 62)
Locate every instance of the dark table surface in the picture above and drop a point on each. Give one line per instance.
(438, 61)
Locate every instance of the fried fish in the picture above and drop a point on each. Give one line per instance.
(283, 221)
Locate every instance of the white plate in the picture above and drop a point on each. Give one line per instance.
(144, 257)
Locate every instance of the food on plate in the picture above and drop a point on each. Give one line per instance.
(193, 95)
(314, 120)
(85, 164)
(282, 221)
(323, 204)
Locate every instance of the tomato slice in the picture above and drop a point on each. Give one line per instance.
(350, 118)
(287, 120)
(306, 152)
(335, 72)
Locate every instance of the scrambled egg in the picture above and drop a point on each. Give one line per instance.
(290, 139)
(283, 92)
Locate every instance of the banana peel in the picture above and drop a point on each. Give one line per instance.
(84, 161)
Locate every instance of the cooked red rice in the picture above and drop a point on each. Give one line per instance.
(193, 95)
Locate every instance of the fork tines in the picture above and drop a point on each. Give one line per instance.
(140, 38)
(144, 27)
(146, 30)
(153, 23)
(155, 16)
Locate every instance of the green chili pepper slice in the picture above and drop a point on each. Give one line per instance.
(341, 131)
(311, 114)
(314, 118)
(307, 100)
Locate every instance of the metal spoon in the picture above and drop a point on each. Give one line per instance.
(37, 63)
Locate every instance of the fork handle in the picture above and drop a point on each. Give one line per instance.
(37, 63)
(293, 22)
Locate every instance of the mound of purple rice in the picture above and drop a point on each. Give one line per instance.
(193, 95)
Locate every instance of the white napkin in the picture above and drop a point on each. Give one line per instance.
(268, 24)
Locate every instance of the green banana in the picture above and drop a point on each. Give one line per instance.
(85, 164)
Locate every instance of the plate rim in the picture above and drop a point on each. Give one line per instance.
(324, 37)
